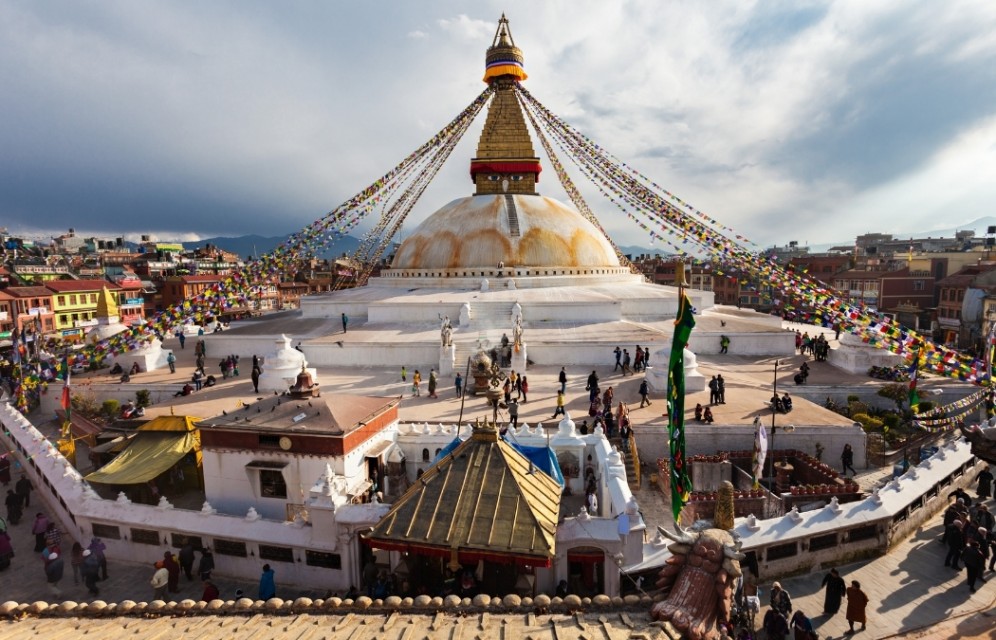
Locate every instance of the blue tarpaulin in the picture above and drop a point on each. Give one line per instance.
(542, 457)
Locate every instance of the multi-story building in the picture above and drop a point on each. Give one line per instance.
(7, 316)
(961, 317)
(32, 309)
(858, 287)
(290, 294)
(75, 303)
(39, 271)
(131, 301)
(822, 266)
(176, 289)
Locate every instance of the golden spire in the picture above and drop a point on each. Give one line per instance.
(107, 305)
(503, 59)
(506, 162)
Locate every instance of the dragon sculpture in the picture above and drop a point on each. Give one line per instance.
(698, 581)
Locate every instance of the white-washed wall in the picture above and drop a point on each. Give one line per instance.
(652, 440)
(77, 508)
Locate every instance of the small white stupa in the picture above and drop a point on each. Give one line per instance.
(657, 375)
(855, 356)
(281, 368)
(150, 356)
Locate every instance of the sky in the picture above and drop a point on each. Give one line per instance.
(784, 120)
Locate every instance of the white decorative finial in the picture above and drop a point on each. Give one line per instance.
(122, 498)
(834, 505)
(252, 515)
(164, 503)
(207, 509)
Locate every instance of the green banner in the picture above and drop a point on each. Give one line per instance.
(680, 483)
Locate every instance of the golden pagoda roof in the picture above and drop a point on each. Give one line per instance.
(484, 500)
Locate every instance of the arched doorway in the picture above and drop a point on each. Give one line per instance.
(586, 571)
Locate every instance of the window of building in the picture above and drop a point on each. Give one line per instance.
(323, 559)
(93, 298)
(62, 300)
(72, 299)
(268, 476)
(425, 455)
(145, 536)
(269, 442)
(280, 554)
(235, 548)
(271, 484)
(108, 531)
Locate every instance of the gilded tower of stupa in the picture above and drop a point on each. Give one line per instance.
(505, 162)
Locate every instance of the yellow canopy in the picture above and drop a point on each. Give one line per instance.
(149, 454)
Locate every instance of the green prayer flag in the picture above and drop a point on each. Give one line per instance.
(680, 483)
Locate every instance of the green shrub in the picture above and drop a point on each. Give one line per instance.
(891, 420)
(867, 422)
(143, 398)
(110, 408)
(856, 406)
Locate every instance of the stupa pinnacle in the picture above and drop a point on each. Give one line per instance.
(505, 162)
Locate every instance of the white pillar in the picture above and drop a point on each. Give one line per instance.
(446, 357)
(519, 358)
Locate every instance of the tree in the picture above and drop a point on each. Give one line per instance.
(898, 393)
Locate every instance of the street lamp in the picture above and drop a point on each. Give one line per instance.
(774, 411)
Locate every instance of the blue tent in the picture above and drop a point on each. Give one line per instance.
(542, 457)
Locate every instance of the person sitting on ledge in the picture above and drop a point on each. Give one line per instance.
(185, 391)
(116, 370)
(698, 413)
(135, 369)
(210, 381)
(786, 403)
(707, 416)
(776, 403)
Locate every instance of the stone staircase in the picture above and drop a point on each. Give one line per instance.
(513, 216)
(488, 321)
(631, 460)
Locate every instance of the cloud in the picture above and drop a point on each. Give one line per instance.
(782, 120)
(467, 28)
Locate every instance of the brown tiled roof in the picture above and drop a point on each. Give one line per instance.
(29, 292)
(70, 286)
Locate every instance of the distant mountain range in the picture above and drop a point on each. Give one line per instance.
(256, 245)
